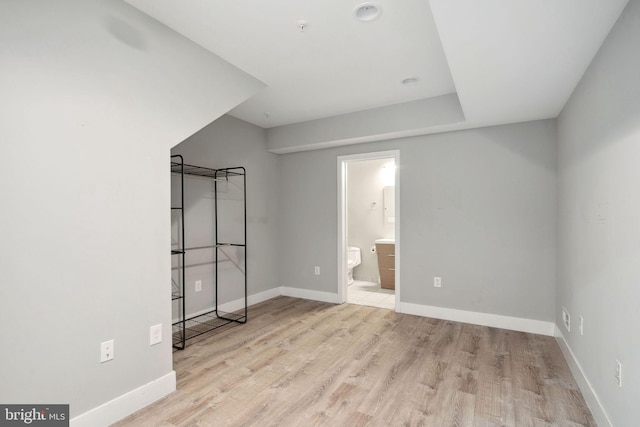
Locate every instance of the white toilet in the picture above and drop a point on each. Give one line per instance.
(353, 260)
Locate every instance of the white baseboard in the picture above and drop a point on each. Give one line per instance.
(267, 295)
(239, 303)
(251, 300)
(126, 404)
(308, 294)
(483, 319)
(195, 314)
(589, 394)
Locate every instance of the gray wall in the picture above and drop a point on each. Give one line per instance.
(364, 224)
(230, 142)
(478, 208)
(599, 219)
(94, 94)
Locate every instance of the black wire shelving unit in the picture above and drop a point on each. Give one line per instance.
(185, 327)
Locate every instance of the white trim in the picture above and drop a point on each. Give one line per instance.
(589, 394)
(342, 230)
(398, 214)
(342, 218)
(239, 303)
(251, 300)
(126, 404)
(269, 294)
(483, 319)
(195, 314)
(309, 294)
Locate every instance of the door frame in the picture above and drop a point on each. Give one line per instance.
(342, 218)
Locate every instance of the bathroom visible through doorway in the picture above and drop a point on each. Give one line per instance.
(368, 229)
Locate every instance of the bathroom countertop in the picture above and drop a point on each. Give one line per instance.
(387, 241)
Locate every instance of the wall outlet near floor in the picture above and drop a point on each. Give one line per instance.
(619, 373)
(155, 334)
(316, 270)
(566, 319)
(198, 285)
(437, 282)
(106, 351)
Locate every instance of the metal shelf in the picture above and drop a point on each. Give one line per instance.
(178, 289)
(204, 323)
(219, 245)
(220, 174)
(188, 328)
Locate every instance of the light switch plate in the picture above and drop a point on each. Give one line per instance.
(155, 334)
(106, 351)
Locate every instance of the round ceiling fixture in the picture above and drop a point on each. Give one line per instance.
(366, 12)
(410, 81)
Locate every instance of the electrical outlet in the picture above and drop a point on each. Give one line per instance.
(581, 325)
(155, 334)
(106, 351)
(198, 285)
(316, 270)
(566, 319)
(619, 373)
(437, 282)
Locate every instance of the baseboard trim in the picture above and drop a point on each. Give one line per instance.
(309, 294)
(251, 300)
(126, 404)
(589, 394)
(483, 319)
(238, 304)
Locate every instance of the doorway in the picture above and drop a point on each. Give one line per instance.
(368, 225)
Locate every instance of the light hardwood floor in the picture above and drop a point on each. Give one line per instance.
(307, 363)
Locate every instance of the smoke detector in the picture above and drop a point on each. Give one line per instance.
(367, 11)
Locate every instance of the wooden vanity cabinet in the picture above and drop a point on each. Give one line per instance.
(387, 264)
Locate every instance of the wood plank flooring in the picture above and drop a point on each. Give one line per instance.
(306, 363)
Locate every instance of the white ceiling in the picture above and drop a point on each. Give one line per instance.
(518, 60)
(508, 60)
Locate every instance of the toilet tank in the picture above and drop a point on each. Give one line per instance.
(353, 255)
